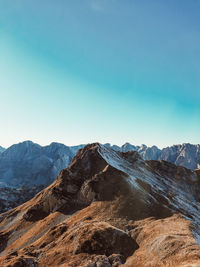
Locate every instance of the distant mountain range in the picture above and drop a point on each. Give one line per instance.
(30, 167)
(28, 163)
(186, 155)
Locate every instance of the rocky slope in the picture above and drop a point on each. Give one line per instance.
(107, 208)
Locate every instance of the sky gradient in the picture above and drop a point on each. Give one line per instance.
(100, 70)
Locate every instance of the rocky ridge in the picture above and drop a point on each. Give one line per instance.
(108, 208)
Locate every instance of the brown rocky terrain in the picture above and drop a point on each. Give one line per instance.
(107, 208)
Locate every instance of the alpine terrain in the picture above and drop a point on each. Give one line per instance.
(108, 208)
(26, 168)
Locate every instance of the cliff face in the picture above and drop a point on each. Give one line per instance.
(107, 208)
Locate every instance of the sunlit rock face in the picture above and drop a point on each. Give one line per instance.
(108, 208)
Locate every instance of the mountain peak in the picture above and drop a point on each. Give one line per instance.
(104, 202)
(28, 143)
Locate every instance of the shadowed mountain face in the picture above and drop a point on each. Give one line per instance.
(28, 163)
(107, 208)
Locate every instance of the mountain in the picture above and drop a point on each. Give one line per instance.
(28, 167)
(28, 163)
(108, 208)
(2, 149)
(186, 155)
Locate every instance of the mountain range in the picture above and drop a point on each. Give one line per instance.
(28, 167)
(187, 155)
(28, 163)
(108, 209)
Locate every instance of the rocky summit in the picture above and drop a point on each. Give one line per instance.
(108, 208)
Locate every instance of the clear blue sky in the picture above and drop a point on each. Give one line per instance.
(100, 70)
